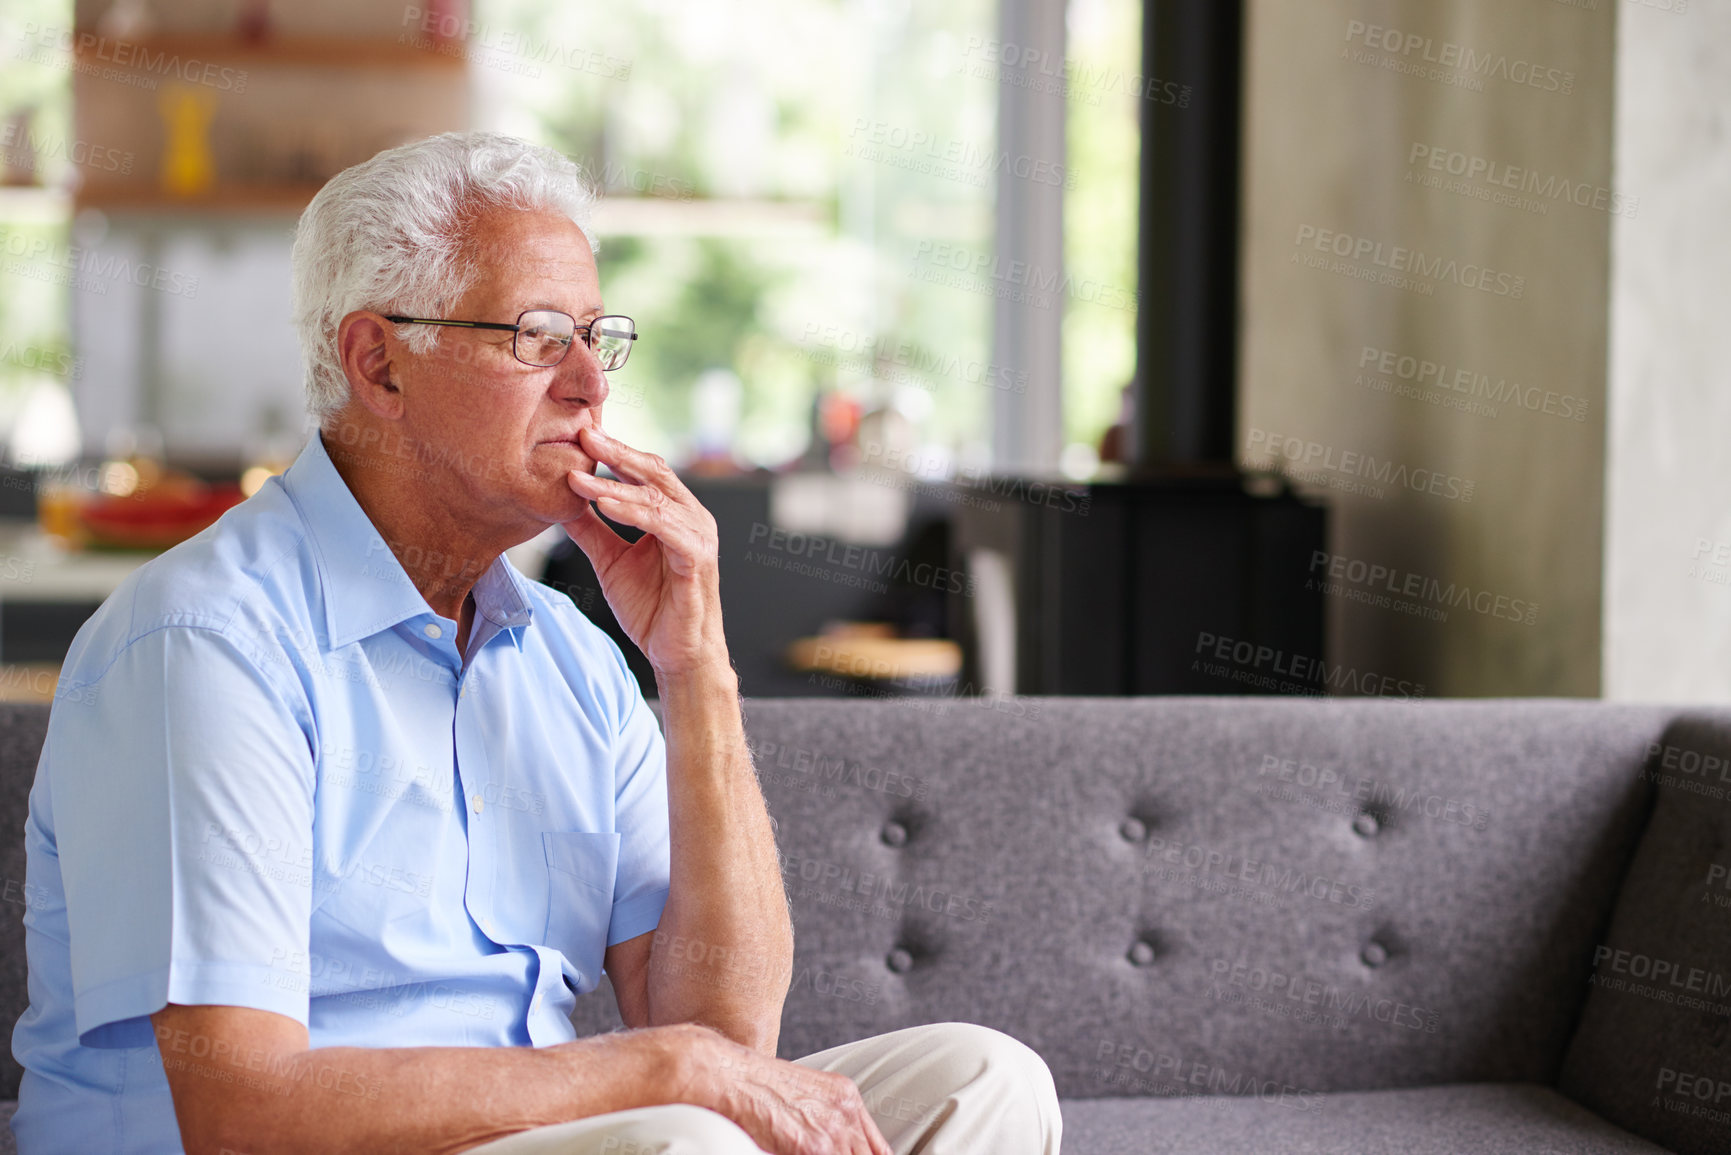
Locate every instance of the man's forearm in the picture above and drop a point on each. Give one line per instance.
(723, 953)
(256, 1096)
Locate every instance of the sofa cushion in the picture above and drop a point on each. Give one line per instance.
(1653, 1052)
(1473, 1119)
(22, 729)
(1328, 895)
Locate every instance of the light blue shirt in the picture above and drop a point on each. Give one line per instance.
(271, 781)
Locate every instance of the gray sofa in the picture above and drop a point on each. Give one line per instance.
(1253, 925)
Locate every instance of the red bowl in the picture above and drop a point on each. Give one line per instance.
(157, 519)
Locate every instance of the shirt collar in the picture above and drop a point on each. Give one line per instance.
(364, 587)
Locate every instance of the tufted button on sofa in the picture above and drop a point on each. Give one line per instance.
(1252, 925)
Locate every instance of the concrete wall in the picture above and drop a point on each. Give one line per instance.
(1668, 478)
(1466, 479)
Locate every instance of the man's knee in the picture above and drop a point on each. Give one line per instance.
(681, 1129)
(994, 1055)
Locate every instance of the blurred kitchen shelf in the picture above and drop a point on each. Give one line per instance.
(42, 570)
(285, 51)
(143, 198)
(33, 204)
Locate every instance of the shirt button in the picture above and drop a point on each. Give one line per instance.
(432, 630)
(476, 802)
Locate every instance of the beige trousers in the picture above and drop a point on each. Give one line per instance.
(943, 1089)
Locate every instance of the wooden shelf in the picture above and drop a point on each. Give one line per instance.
(877, 658)
(273, 52)
(145, 198)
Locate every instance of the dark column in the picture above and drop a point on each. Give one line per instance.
(1186, 327)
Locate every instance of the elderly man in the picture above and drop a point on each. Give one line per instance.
(338, 813)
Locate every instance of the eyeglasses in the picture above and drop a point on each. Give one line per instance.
(544, 336)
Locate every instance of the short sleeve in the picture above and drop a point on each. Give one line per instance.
(182, 790)
(640, 814)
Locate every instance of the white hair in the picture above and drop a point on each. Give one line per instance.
(389, 234)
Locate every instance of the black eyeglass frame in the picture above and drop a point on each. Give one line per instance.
(588, 330)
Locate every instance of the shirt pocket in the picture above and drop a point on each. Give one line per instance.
(581, 868)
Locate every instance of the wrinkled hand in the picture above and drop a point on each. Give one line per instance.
(787, 1109)
(664, 588)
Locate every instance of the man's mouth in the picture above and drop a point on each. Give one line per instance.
(586, 463)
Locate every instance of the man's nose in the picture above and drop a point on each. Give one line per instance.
(580, 377)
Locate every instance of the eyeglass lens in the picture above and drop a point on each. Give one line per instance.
(611, 338)
(544, 336)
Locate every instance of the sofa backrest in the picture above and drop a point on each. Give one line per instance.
(23, 725)
(1173, 895)
(1177, 895)
(1653, 1052)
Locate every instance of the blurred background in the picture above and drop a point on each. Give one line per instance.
(1353, 347)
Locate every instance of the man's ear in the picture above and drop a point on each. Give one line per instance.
(365, 345)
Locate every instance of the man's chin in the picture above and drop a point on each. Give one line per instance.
(570, 450)
(565, 505)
